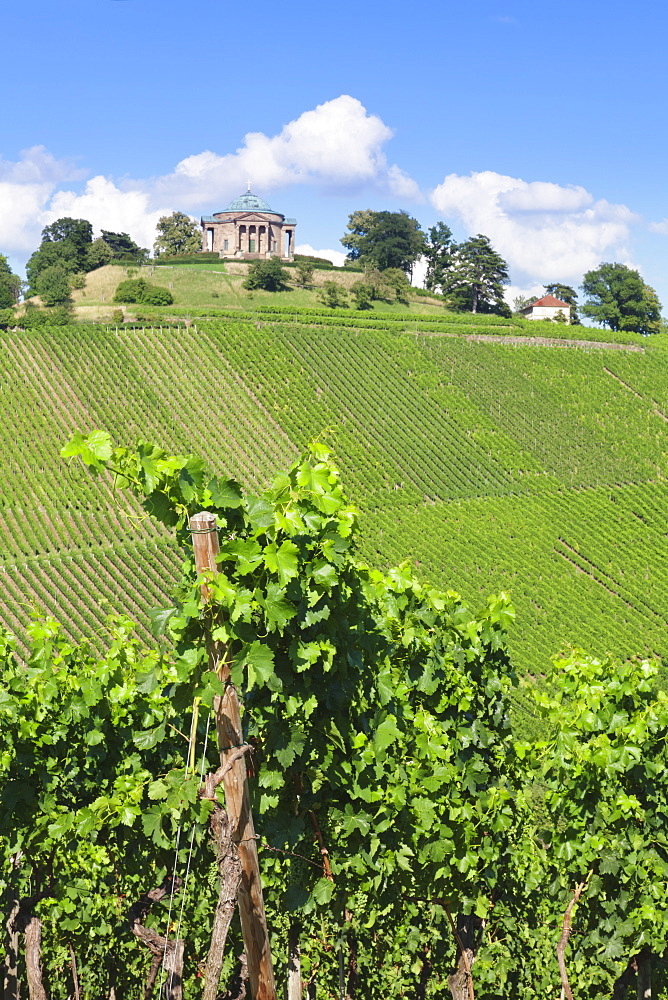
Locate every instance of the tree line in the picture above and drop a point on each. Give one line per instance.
(471, 275)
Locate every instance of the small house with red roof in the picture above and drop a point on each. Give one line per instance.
(548, 307)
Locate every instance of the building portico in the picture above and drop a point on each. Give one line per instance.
(249, 228)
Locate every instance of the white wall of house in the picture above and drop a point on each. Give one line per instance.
(547, 312)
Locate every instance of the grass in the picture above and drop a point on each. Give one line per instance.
(220, 286)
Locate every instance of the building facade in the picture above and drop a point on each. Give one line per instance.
(547, 308)
(249, 229)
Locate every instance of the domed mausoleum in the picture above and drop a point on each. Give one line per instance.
(249, 228)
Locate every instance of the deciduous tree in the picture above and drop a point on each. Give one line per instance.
(439, 253)
(384, 239)
(177, 234)
(617, 297)
(269, 275)
(10, 285)
(53, 285)
(65, 243)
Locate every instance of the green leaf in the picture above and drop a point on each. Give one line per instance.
(324, 574)
(225, 494)
(277, 608)
(283, 560)
(260, 513)
(255, 664)
(149, 738)
(94, 450)
(158, 618)
(386, 734)
(323, 891)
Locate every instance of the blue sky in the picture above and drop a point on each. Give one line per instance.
(539, 124)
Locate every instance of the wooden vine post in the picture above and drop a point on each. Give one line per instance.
(237, 801)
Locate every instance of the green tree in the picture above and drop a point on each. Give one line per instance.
(362, 294)
(522, 301)
(568, 295)
(384, 239)
(304, 269)
(439, 253)
(122, 247)
(617, 297)
(474, 282)
(53, 285)
(269, 275)
(177, 234)
(65, 243)
(98, 254)
(333, 295)
(10, 285)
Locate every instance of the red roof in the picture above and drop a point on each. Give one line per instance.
(547, 300)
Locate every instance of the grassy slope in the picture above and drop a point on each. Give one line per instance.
(536, 469)
(215, 285)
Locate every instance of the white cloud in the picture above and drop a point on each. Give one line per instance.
(545, 231)
(338, 145)
(335, 256)
(659, 227)
(25, 188)
(108, 207)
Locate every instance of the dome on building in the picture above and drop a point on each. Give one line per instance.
(249, 202)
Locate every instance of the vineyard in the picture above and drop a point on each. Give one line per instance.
(491, 465)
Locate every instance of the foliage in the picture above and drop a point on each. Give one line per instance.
(475, 279)
(99, 254)
(10, 285)
(384, 239)
(65, 244)
(304, 269)
(522, 301)
(122, 247)
(439, 253)
(332, 294)
(139, 290)
(362, 691)
(53, 285)
(617, 297)
(604, 779)
(76, 281)
(177, 234)
(269, 275)
(363, 294)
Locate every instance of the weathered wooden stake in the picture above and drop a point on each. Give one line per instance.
(237, 802)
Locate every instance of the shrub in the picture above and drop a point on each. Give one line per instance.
(270, 275)
(332, 295)
(363, 295)
(155, 295)
(305, 269)
(137, 290)
(77, 280)
(117, 316)
(53, 286)
(131, 290)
